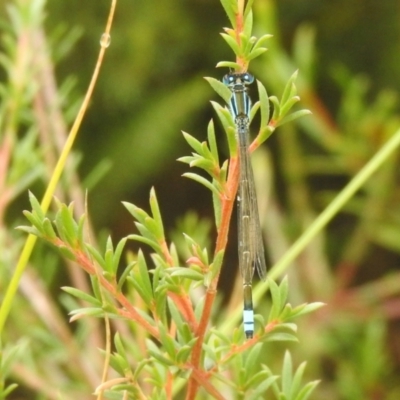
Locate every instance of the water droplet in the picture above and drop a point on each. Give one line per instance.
(105, 40)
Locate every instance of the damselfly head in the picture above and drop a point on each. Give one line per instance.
(234, 79)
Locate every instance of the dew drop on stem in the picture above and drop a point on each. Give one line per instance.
(105, 40)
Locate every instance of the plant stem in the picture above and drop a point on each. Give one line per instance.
(31, 240)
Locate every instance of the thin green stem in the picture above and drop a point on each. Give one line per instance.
(31, 240)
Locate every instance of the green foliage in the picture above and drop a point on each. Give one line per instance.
(172, 339)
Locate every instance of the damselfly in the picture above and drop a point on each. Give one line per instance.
(250, 244)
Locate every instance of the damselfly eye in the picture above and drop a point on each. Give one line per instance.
(228, 79)
(248, 78)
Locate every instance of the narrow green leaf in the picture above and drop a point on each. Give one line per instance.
(232, 43)
(97, 256)
(154, 245)
(202, 163)
(120, 347)
(66, 226)
(144, 278)
(125, 274)
(183, 354)
(139, 214)
(305, 393)
(283, 291)
(290, 88)
(30, 230)
(193, 142)
(230, 7)
(256, 53)
(276, 300)
(265, 133)
(186, 273)
(297, 378)
(280, 337)
(285, 108)
(212, 141)
(260, 42)
(306, 308)
(247, 10)
(262, 388)
(36, 206)
(35, 221)
(229, 64)
(118, 253)
(203, 181)
(277, 108)
(248, 20)
(264, 104)
(220, 88)
(82, 295)
(67, 252)
(293, 116)
(161, 358)
(287, 374)
(155, 210)
(48, 230)
(216, 265)
(88, 311)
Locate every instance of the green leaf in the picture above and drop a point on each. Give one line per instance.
(120, 347)
(82, 295)
(220, 88)
(66, 226)
(88, 311)
(30, 230)
(247, 10)
(117, 254)
(260, 42)
(154, 245)
(66, 252)
(216, 265)
(49, 230)
(229, 64)
(36, 208)
(248, 19)
(298, 376)
(265, 133)
(97, 256)
(125, 274)
(145, 283)
(212, 141)
(232, 43)
(193, 143)
(280, 337)
(277, 108)
(285, 108)
(276, 301)
(305, 393)
(228, 124)
(290, 89)
(262, 388)
(264, 104)
(287, 375)
(230, 7)
(293, 116)
(155, 210)
(35, 221)
(256, 53)
(305, 309)
(203, 181)
(186, 273)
